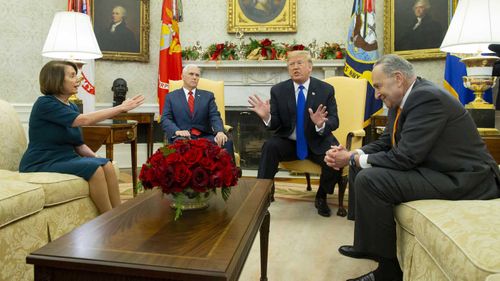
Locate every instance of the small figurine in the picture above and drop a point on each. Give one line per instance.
(241, 48)
(313, 48)
(198, 48)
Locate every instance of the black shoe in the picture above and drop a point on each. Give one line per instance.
(349, 251)
(322, 206)
(367, 277)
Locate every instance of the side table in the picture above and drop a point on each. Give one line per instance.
(491, 138)
(378, 122)
(110, 132)
(143, 118)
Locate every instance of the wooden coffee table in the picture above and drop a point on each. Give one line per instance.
(139, 240)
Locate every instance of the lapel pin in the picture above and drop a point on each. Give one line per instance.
(313, 93)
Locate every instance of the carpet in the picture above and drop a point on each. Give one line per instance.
(298, 191)
(125, 185)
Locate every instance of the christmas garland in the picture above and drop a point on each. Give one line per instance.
(264, 49)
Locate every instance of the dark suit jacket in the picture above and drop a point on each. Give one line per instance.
(284, 112)
(437, 137)
(176, 115)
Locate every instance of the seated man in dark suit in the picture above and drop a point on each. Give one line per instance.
(430, 149)
(303, 113)
(192, 113)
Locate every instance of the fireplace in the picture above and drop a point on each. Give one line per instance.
(249, 134)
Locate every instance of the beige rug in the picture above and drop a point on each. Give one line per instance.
(298, 191)
(125, 184)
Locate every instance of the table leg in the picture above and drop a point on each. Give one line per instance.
(109, 151)
(150, 139)
(264, 245)
(133, 151)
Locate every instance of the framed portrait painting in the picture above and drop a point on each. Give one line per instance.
(254, 16)
(122, 28)
(414, 29)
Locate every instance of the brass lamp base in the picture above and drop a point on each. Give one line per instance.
(479, 84)
(74, 99)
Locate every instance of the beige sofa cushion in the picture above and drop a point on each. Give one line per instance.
(18, 200)
(463, 237)
(58, 188)
(495, 277)
(12, 136)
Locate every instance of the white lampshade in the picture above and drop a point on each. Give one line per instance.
(474, 26)
(71, 36)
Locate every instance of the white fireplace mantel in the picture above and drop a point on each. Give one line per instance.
(244, 78)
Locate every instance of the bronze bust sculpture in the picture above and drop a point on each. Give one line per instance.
(119, 89)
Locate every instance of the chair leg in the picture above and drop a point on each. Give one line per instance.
(272, 193)
(308, 179)
(342, 187)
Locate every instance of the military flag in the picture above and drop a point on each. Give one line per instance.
(170, 65)
(362, 51)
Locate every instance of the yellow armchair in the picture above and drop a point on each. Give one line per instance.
(350, 95)
(216, 87)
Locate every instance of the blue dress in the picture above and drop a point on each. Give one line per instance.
(52, 141)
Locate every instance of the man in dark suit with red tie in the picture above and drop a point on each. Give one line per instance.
(430, 149)
(303, 113)
(191, 113)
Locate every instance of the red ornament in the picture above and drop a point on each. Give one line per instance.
(339, 55)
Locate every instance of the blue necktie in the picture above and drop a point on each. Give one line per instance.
(299, 129)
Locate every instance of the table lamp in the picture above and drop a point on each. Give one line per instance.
(473, 28)
(71, 37)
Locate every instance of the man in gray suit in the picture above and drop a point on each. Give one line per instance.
(191, 113)
(430, 149)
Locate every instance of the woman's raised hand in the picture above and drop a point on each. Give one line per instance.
(132, 103)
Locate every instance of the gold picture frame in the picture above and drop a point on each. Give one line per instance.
(400, 23)
(262, 16)
(127, 41)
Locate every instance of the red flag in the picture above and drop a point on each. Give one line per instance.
(170, 66)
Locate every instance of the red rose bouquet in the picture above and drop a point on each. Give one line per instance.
(190, 169)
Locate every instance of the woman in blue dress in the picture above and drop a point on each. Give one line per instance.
(55, 139)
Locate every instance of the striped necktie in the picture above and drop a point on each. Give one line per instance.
(395, 126)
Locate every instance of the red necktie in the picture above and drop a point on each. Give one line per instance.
(194, 131)
(191, 102)
(395, 126)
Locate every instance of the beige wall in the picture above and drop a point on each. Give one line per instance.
(24, 25)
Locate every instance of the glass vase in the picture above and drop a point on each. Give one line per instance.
(190, 200)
